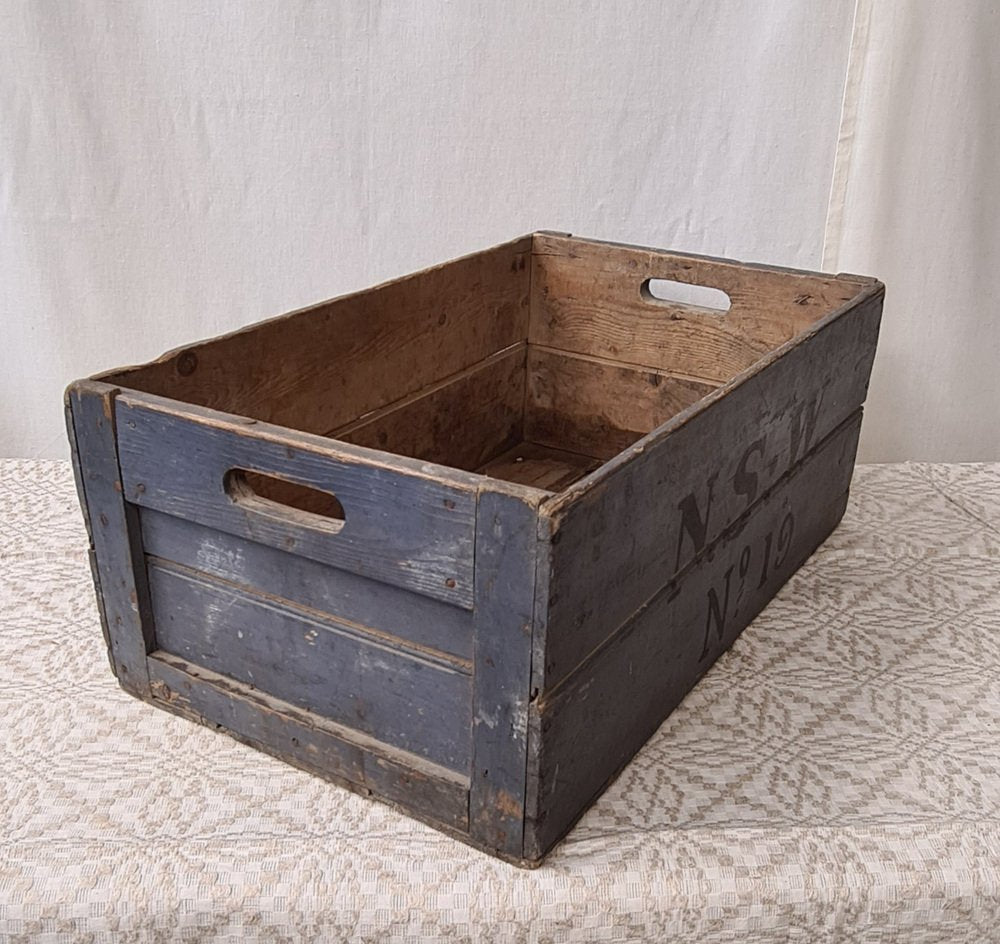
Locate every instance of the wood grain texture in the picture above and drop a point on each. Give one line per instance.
(587, 298)
(585, 731)
(623, 533)
(461, 423)
(403, 526)
(504, 616)
(597, 407)
(307, 741)
(322, 367)
(417, 704)
(116, 549)
(384, 612)
(541, 467)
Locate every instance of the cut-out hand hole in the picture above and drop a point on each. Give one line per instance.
(670, 292)
(281, 498)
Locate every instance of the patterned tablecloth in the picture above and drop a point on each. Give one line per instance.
(835, 777)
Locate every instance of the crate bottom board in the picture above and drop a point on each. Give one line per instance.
(540, 466)
(433, 796)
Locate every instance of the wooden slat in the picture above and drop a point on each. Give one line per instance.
(541, 467)
(506, 540)
(372, 607)
(309, 742)
(461, 423)
(587, 730)
(587, 298)
(402, 527)
(597, 407)
(416, 704)
(116, 549)
(627, 529)
(324, 366)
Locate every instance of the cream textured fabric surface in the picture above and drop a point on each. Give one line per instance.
(835, 777)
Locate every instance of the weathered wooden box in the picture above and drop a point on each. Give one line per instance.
(462, 541)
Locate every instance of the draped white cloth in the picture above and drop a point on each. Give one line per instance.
(172, 170)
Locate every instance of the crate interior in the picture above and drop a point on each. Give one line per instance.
(534, 362)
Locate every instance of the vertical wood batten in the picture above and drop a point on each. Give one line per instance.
(116, 548)
(506, 542)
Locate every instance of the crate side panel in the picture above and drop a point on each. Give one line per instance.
(373, 607)
(116, 549)
(506, 542)
(408, 530)
(301, 739)
(414, 704)
(461, 423)
(597, 407)
(606, 710)
(325, 366)
(622, 538)
(589, 297)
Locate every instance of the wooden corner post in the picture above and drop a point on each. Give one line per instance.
(115, 545)
(506, 543)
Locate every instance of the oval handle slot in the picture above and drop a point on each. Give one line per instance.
(281, 498)
(669, 292)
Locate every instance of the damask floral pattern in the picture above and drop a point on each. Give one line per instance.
(835, 777)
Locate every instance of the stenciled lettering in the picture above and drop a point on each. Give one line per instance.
(803, 425)
(745, 480)
(772, 556)
(693, 523)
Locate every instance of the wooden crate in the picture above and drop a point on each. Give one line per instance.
(462, 541)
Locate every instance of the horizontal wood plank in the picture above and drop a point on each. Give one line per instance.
(587, 729)
(309, 742)
(398, 616)
(415, 704)
(401, 527)
(597, 407)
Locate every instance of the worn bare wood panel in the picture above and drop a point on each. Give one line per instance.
(538, 466)
(597, 407)
(461, 423)
(592, 724)
(622, 534)
(324, 366)
(415, 703)
(116, 548)
(309, 742)
(403, 524)
(587, 297)
(397, 616)
(504, 616)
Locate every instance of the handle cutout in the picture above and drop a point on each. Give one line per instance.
(281, 498)
(670, 292)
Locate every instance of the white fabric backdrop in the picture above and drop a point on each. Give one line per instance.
(170, 171)
(917, 202)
